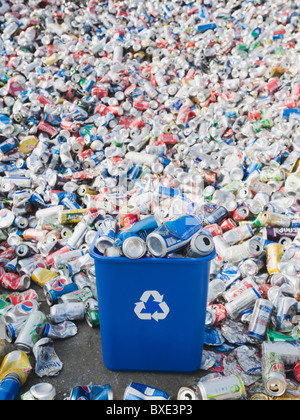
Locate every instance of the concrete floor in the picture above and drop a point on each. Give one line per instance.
(81, 356)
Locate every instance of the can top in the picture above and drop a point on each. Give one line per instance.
(43, 391)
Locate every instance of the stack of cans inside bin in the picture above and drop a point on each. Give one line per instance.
(159, 130)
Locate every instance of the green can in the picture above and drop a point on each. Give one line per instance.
(92, 317)
(273, 374)
(31, 332)
(78, 296)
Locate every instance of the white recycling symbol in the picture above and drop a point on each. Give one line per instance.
(151, 306)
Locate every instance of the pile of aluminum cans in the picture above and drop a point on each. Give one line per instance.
(161, 129)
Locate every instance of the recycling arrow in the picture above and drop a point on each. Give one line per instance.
(151, 306)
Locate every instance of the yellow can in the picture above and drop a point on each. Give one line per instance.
(42, 275)
(27, 144)
(274, 253)
(16, 362)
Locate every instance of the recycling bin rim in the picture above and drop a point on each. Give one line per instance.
(94, 253)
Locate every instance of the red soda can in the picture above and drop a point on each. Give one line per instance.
(44, 100)
(241, 213)
(137, 122)
(83, 155)
(114, 109)
(14, 281)
(47, 128)
(214, 229)
(100, 92)
(168, 138)
(18, 297)
(77, 144)
(14, 86)
(271, 87)
(214, 314)
(228, 224)
(50, 258)
(70, 126)
(263, 290)
(7, 255)
(140, 104)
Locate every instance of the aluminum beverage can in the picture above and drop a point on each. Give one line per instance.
(162, 241)
(214, 314)
(77, 296)
(40, 392)
(241, 303)
(274, 253)
(129, 214)
(250, 248)
(260, 318)
(135, 391)
(217, 216)
(214, 229)
(273, 374)
(91, 393)
(31, 332)
(238, 234)
(21, 310)
(188, 393)
(107, 235)
(238, 288)
(222, 388)
(92, 317)
(53, 295)
(69, 311)
(16, 362)
(51, 284)
(201, 245)
(134, 247)
(10, 387)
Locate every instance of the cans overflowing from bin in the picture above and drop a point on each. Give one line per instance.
(162, 129)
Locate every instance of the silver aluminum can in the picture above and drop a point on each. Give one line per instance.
(222, 388)
(134, 247)
(260, 318)
(70, 311)
(201, 245)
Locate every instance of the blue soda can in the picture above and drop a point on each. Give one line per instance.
(69, 201)
(8, 145)
(216, 216)
(91, 393)
(53, 295)
(290, 111)
(142, 228)
(206, 27)
(10, 387)
(135, 391)
(107, 237)
(133, 173)
(169, 192)
(173, 235)
(36, 198)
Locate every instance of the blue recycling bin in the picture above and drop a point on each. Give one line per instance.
(152, 311)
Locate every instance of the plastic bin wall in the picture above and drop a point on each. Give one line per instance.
(152, 312)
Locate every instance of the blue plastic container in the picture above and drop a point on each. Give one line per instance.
(152, 311)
